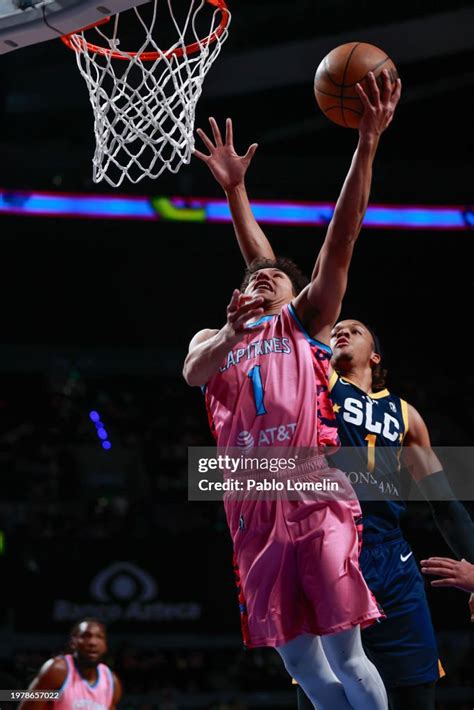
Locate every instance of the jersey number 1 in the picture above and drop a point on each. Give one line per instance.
(371, 440)
(258, 391)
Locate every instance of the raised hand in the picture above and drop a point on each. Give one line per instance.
(240, 311)
(380, 107)
(453, 573)
(227, 167)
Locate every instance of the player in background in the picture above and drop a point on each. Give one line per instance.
(290, 556)
(370, 417)
(80, 676)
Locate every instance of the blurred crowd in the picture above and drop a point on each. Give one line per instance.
(58, 479)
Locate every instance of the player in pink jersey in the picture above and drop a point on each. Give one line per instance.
(277, 362)
(80, 677)
(301, 589)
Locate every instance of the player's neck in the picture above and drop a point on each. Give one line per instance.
(359, 376)
(89, 673)
(273, 308)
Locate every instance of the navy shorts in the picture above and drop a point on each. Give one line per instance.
(402, 646)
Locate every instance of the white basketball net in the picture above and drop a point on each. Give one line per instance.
(144, 111)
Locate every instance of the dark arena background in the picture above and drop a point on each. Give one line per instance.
(97, 314)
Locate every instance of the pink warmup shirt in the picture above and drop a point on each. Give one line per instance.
(77, 694)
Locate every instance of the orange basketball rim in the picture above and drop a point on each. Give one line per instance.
(81, 43)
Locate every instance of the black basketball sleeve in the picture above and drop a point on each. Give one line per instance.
(451, 517)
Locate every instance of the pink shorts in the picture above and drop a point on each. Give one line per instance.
(297, 568)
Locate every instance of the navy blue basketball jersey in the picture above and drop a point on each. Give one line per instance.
(374, 426)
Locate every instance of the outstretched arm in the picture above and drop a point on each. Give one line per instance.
(319, 305)
(229, 170)
(450, 516)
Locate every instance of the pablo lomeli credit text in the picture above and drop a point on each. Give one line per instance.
(265, 484)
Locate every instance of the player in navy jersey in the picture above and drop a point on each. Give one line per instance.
(386, 430)
(403, 647)
(371, 421)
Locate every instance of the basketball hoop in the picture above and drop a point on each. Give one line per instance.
(144, 101)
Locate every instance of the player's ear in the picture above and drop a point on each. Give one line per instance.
(375, 359)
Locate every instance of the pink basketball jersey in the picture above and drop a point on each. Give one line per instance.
(77, 694)
(272, 389)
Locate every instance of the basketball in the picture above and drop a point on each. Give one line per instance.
(340, 71)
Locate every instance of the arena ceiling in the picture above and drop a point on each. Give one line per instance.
(263, 79)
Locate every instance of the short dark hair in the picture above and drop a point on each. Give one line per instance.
(379, 373)
(292, 270)
(86, 620)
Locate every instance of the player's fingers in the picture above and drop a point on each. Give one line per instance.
(396, 92)
(256, 308)
(363, 97)
(448, 582)
(233, 316)
(215, 130)
(241, 310)
(247, 305)
(439, 564)
(438, 561)
(205, 139)
(201, 156)
(251, 152)
(441, 571)
(373, 88)
(253, 303)
(243, 319)
(244, 298)
(386, 92)
(229, 132)
(233, 303)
